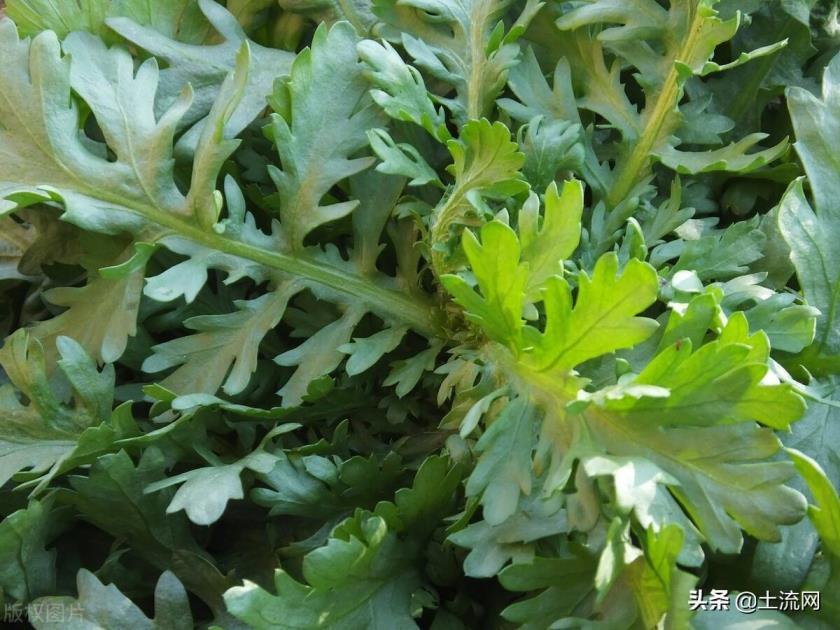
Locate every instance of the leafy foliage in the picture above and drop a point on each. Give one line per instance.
(417, 314)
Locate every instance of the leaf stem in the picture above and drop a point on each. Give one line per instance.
(637, 165)
(413, 310)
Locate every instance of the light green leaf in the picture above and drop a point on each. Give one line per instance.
(400, 90)
(34, 16)
(101, 316)
(359, 579)
(205, 492)
(816, 121)
(315, 156)
(733, 158)
(179, 18)
(401, 159)
(785, 565)
(365, 575)
(365, 352)
(717, 468)
(790, 327)
(503, 471)
(40, 434)
(485, 163)
(97, 194)
(225, 348)
(556, 106)
(485, 158)
(205, 67)
(100, 606)
(317, 356)
(722, 254)
(640, 487)
(811, 238)
(562, 581)
(492, 546)
(405, 374)
(723, 381)
(442, 37)
(550, 147)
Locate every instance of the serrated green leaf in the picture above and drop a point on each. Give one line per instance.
(722, 254)
(401, 159)
(38, 435)
(366, 351)
(364, 576)
(101, 606)
(502, 279)
(315, 156)
(205, 67)
(440, 38)
(503, 471)
(225, 348)
(733, 158)
(563, 581)
(205, 492)
(181, 19)
(101, 316)
(547, 243)
(400, 89)
(493, 546)
(317, 356)
(825, 514)
(27, 569)
(603, 318)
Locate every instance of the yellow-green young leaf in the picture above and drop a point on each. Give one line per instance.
(501, 277)
(486, 163)
(603, 318)
(485, 157)
(825, 513)
(721, 382)
(546, 244)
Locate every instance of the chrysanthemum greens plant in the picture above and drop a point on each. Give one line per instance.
(419, 313)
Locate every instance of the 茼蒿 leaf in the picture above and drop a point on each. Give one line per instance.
(418, 313)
